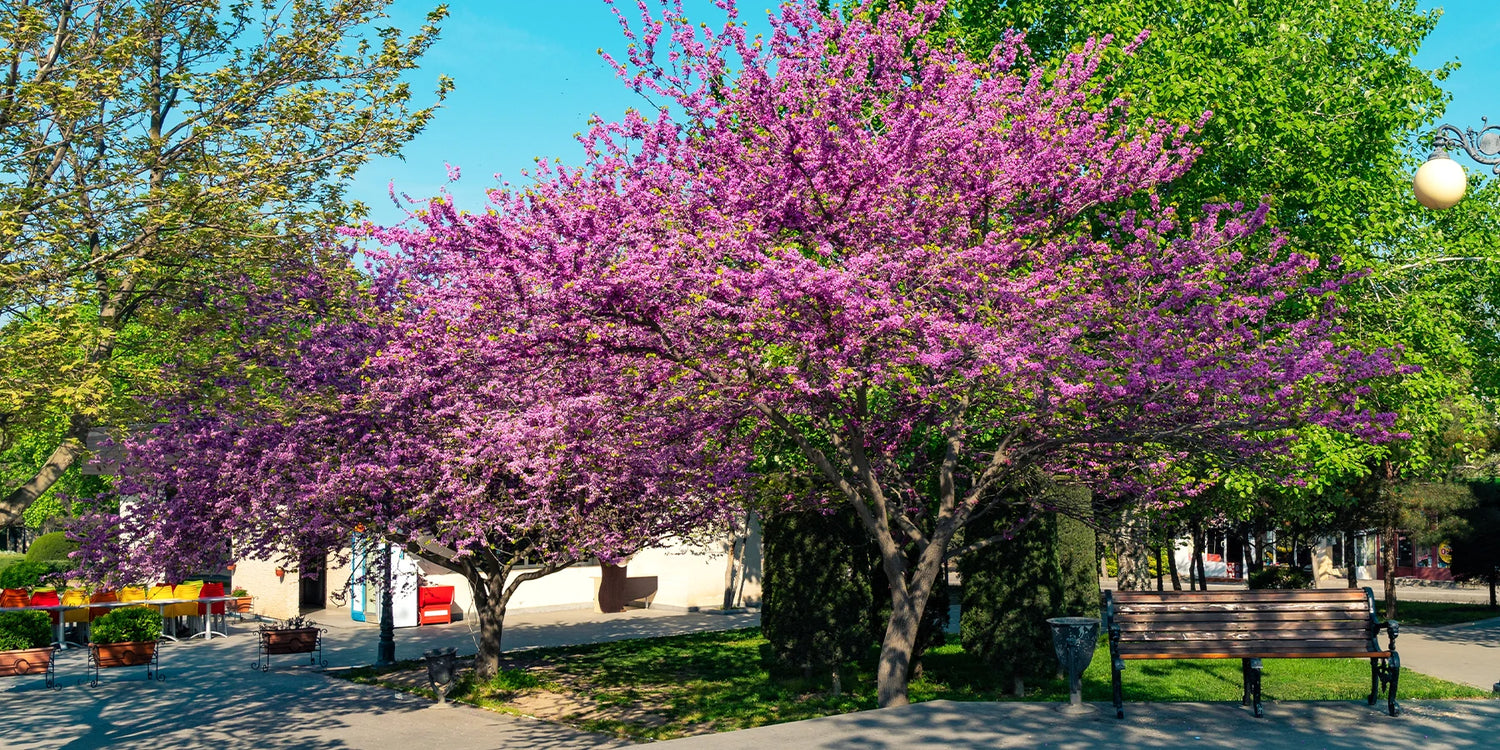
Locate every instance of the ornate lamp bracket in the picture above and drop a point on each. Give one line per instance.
(1482, 145)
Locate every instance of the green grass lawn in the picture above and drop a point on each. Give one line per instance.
(712, 682)
(1433, 614)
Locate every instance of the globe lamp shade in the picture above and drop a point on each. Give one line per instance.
(1439, 183)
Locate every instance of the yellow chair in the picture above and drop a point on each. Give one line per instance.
(187, 590)
(75, 598)
(133, 594)
(80, 616)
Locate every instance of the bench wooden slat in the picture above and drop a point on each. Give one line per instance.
(1253, 654)
(1248, 623)
(1296, 636)
(1356, 645)
(1270, 595)
(1284, 606)
(1171, 619)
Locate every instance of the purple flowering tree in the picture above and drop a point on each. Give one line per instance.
(930, 275)
(395, 423)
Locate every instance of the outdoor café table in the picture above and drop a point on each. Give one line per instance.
(160, 604)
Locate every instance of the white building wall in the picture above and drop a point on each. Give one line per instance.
(687, 577)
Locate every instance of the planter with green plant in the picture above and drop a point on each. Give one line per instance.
(26, 644)
(294, 635)
(243, 604)
(125, 637)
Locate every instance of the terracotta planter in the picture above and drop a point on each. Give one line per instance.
(294, 641)
(25, 661)
(243, 605)
(131, 654)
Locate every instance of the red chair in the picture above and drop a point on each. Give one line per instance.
(46, 597)
(14, 598)
(433, 603)
(210, 610)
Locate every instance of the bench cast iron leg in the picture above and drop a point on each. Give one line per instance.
(1119, 694)
(1254, 673)
(1393, 668)
(1374, 680)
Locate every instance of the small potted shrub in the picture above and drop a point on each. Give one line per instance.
(26, 644)
(125, 637)
(243, 604)
(294, 635)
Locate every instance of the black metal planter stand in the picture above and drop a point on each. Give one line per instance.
(153, 665)
(313, 647)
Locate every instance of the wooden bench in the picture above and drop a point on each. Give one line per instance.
(1250, 626)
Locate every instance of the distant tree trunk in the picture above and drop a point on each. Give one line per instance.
(1351, 572)
(1390, 571)
(1135, 566)
(1197, 562)
(1159, 566)
(1172, 566)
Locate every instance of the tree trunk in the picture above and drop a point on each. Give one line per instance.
(1172, 566)
(1135, 566)
(1159, 566)
(1390, 572)
(1197, 563)
(1492, 592)
(490, 599)
(1018, 687)
(1351, 573)
(838, 683)
(895, 649)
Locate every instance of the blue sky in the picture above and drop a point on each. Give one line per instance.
(528, 76)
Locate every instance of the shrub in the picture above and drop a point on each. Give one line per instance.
(1280, 577)
(1077, 554)
(126, 625)
(50, 547)
(1010, 589)
(19, 630)
(27, 574)
(816, 594)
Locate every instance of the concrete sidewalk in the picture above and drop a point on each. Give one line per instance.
(212, 698)
(948, 724)
(1468, 653)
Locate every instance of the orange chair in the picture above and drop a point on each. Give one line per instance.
(101, 597)
(14, 598)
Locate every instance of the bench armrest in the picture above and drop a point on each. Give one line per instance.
(1392, 629)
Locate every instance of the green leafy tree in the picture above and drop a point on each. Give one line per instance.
(1476, 545)
(159, 156)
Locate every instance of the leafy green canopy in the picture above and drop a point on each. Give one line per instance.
(158, 158)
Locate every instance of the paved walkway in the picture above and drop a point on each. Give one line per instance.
(949, 724)
(211, 698)
(1467, 653)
